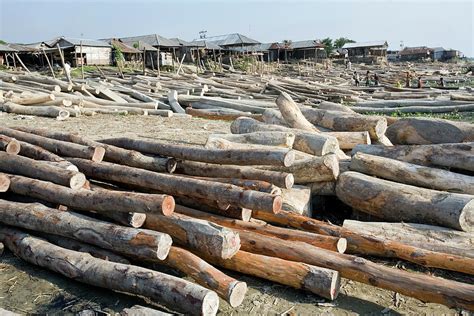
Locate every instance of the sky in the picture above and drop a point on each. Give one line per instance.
(414, 23)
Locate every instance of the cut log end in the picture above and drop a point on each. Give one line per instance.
(246, 214)
(171, 165)
(164, 246)
(210, 304)
(62, 115)
(289, 158)
(77, 181)
(4, 183)
(136, 220)
(289, 181)
(237, 291)
(341, 245)
(13, 147)
(324, 282)
(380, 128)
(466, 219)
(277, 204)
(335, 285)
(167, 207)
(98, 155)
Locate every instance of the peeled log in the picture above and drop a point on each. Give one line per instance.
(39, 153)
(219, 115)
(320, 281)
(457, 155)
(400, 202)
(58, 147)
(280, 179)
(408, 173)
(341, 121)
(34, 99)
(230, 289)
(176, 185)
(9, 145)
(271, 116)
(46, 111)
(4, 183)
(428, 237)
(348, 140)
(176, 293)
(20, 165)
(421, 131)
(315, 169)
(292, 113)
(280, 139)
(130, 241)
(276, 156)
(137, 310)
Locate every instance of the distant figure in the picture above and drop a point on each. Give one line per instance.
(67, 70)
(367, 78)
(376, 79)
(441, 82)
(356, 78)
(407, 84)
(348, 65)
(420, 83)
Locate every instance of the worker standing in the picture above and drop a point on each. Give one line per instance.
(356, 78)
(441, 82)
(407, 84)
(376, 79)
(367, 78)
(420, 83)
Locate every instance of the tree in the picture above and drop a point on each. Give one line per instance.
(3, 42)
(328, 45)
(341, 41)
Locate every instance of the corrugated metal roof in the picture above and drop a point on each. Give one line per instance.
(140, 45)
(365, 44)
(204, 44)
(415, 50)
(65, 42)
(152, 39)
(124, 48)
(180, 42)
(253, 48)
(5, 48)
(231, 39)
(22, 48)
(306, 44)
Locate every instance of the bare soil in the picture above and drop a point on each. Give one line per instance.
(28, 289)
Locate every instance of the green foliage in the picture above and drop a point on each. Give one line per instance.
(341, 41)
(287, 43)
(3, 42)
(135, 45)
(244, 63)
(118, 54)
(328, 45)
(454, 116)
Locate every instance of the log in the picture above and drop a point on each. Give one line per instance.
(1, 248)
(331, 106)
(403, 103)
(319, 281)
(322, 241)
(228, 288)
(221, 102)
(433, 238)
(9, 145)
(215, 207)
(315, 169)
(46, 111)
(220, 115)
(98, 201)
(340, 121)
(176, 293)
(421, 131)
(61, 148)
(417, 109)
(170, 184)
(271, 116)
(292, 113)
(130, 241)
(348, 140)
(323, 188)
(298, 200)
(312, 143)
(41, 170)
(34, 99)
(423, 287)
(396, 202)
(280, 139)
(137, 310)
(408, 173)
(257, 185)
(39, 153)
(173, 101)
(275, 156)
(5, 312)
(458, 155)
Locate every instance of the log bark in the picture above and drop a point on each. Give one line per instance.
(280, 139)
(283, 157)
(323, 188)
(433, 238)
(292, 113)
(9, 145)
(348, 140)
(271, 116)
(46, 111)
(170, 184)
(41, 170)
(98, 201)
(416, 109)
(422, 131)
(331, 106)
(315, 169)
(220, 115)
(130, 241)
(58, 147)
(408, 173)
(176, 293)
(34, 99)
(259, 227)
(400, 202)
(280, 179)
(137, 310)
(320, 281)
(459, 156)
(298, 200)
(215, 207)
(173, 101)
(228, 288)
(39, 153)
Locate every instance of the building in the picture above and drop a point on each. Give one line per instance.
(419, 53)
(6, 53)
(232, 40)
(367, 52)
(155, 44)
(393, 55)
(77, 51)
(441, 54)
(307, 49)
(129, 53)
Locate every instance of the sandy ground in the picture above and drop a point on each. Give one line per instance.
(28, 289)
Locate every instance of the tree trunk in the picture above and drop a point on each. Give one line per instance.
(219, 115)
(98, 201)
(433, 238)
(39, 153)
(280, 139)
(331, 106)
(9, 145)
(130, 241)
(292, 113)
(65, 86)
(408, 173)
(215, 207)
(280, 179)
(271, 116)
(137, 310)
(176, 293)
(58, 147)
(348, 140)
(201, 235)
(176, 185)
(283, 157)
(322, 188)
(173, 101)
(397, 202)
(46, 111)
(37, 99)
(421, 131)
(41, 170)
(298, 200)
(458, 156)
(416, 109)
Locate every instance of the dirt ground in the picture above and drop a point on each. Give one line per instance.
(28, 289)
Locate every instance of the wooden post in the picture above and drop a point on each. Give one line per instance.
(22, 64)
(62, 62)
(174, 54)
(158, 62)
(49, 63)
(144, 61)
(82, 63)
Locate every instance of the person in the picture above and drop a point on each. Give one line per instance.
(441, 82)
(67, 70)
(367, 78)
(407, 84)
(420, 83)
(376, 79)
(356, 78)
(349, 65)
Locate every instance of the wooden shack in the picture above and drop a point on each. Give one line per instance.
(77, 51)
(367, 52)
(419, 53)
(6, 52)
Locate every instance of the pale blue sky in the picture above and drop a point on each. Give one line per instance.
(420, 22)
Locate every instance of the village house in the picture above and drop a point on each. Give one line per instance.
(5, 53)
(419, 53)
(367, 52)
(77, 51)
(162, 46)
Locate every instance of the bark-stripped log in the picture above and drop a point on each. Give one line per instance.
(58, 147)
(280, 139)
(220, 115)
(4, 183)
(46, 111)
(173, 101)
(130, 241)
(9, 145)
(348, 140)
(271, 116)
(408, 173)
(201, 235)
(98, 201)
(41, 170)
(39, 153)
(176, 293)
(29, 100)
(396, 202)
(276, 156)
(292, 113)
(137, 310)
(170, 184)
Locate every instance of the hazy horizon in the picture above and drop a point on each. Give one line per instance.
(417, 23)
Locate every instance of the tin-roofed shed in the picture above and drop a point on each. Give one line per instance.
(87, 51)
(232, 40)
